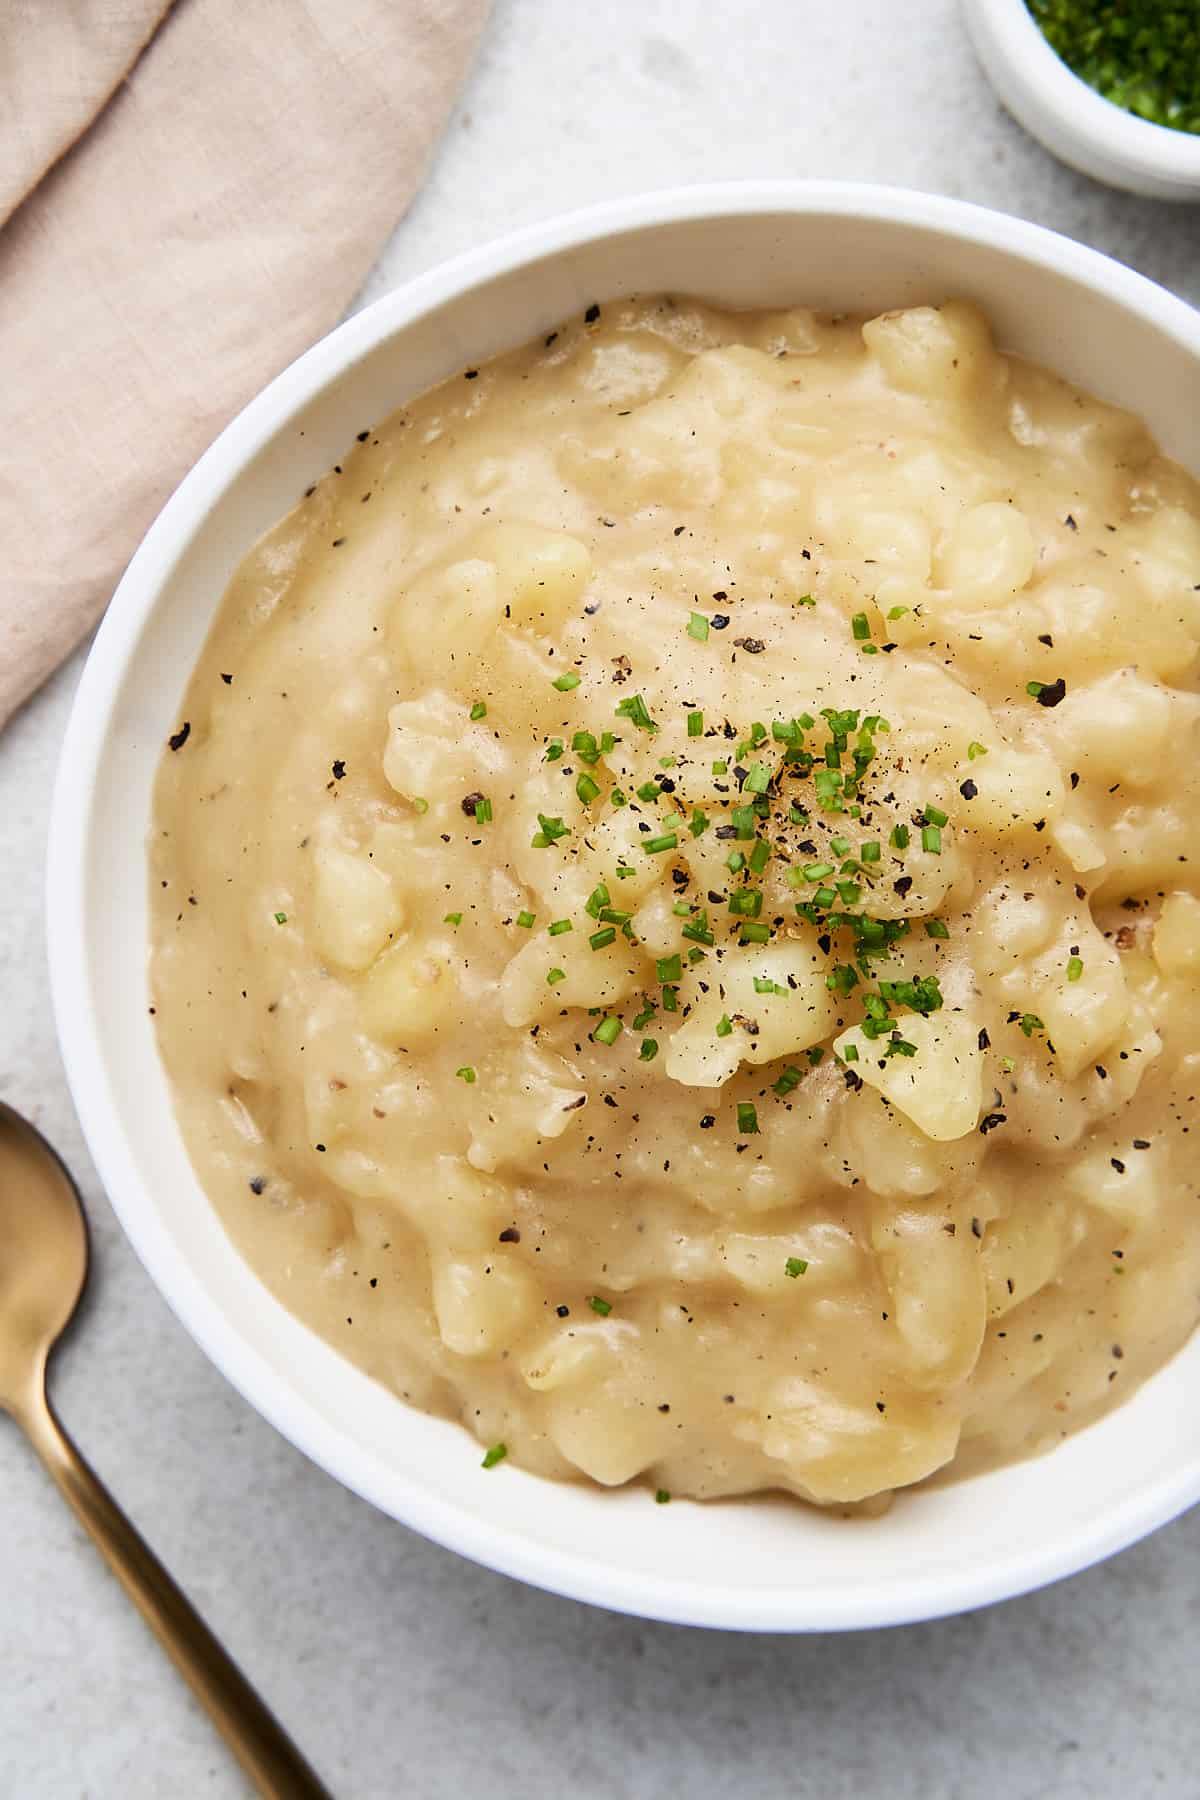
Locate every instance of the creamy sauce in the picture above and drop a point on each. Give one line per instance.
(499, 1042)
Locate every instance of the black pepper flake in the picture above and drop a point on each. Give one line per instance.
(825, 943)
(664, 1406)
(592, 314)
(1069, 522)
(337, 543)
(752, 646)
(976, 1228)
(339, 769)
(902, 884)
(853, 1081)
(679, 530)
(470, 374)
(564, 1312)
(320, 1147)
(257, 1184)
(719, 621)
(363, 436)
(967, 789)
(228, 680)
(180, 738)
(1045, 638)
(510, 1235)
(1141, 1143)
(469, 803)
(985, 1042)
(1117, 1164)
(1051, 692)
(1074, 778)
(1118, 1352)
(548, 341)
(707, 1122)
(990, 1121)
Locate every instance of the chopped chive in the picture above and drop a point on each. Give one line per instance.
(698, 823)
(554, 749)
(667, 841)
(624, 869)
(898, 1046)
(758, 779)
(598, 898)
(466, 1073)
(585, 747)
(721, 766)
(682, 910)
(661, 1497)
(479, 710)
(420, 805)
(870, 853)
(1074, 968)
(743, 821)
(935, 928)
(724, 1026)
(897, 612)
(735, 861)
(454, 918)
(670, 999)
(935, 816)
(649, 1050)
(825, 896)
(559, 926)
(760, 856)
(608, 1030)
(795, 1265)
(611, 915)
(698, 627)
(564, 683)
(1030, 1023)
(805, 600)
(555, 976)
(586, 788)
(550, 830)
(618, 798)
(791, 1078)
(849, 893)
(840, 846)
(764, 985)
(931, 839)
(603, 1307)
(746, 903)
(974, 750)
(634, 707)
(699, 933)
(599, 939)
(483, 810)
(755, 933)
(669, 968)
(747, 1118)
(648, 791)
(860, 625)
(526, 920)
(850, 1053)
(817, 871)
(645, 1016)
(797, 815)
(667, 762)
(495, 1455)
(899, 837)
(695, 724)
(842, 978)
(1034, 688)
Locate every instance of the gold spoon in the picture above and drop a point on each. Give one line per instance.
(43, 1267)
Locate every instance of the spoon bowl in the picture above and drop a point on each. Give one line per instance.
(43, 1256)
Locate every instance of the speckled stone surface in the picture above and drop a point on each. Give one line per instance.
(402, 1669)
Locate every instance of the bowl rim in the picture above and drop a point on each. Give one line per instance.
(1105, 132)
(495, 1545)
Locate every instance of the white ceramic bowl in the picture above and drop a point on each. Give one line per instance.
(1073, 121)
(759, 1564)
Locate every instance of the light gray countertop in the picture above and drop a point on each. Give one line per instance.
(402, 1669)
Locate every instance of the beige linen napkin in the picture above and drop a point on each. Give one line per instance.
(219, 211)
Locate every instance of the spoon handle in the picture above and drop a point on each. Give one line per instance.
(263, 1748)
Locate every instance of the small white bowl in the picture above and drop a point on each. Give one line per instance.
(1070, 118)
(760, 1564)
